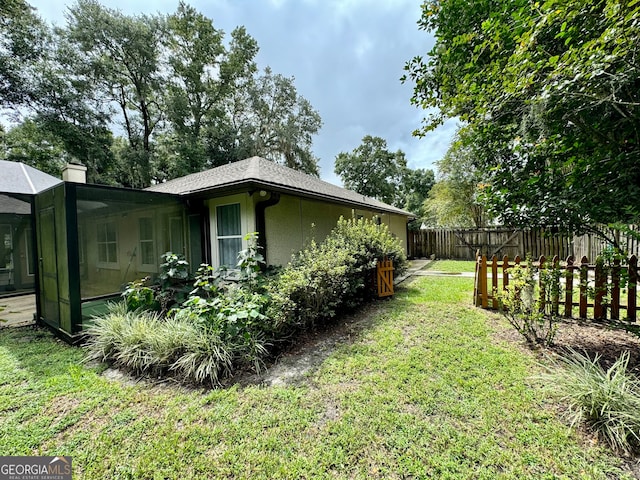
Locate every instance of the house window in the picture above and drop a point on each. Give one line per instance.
(6, 248)
(107, 243)
(229, 233)
(147, 243)
(176, 243)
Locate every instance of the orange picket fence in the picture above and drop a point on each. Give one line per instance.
(589, 290)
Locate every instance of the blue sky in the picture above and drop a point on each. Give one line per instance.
(347, 57)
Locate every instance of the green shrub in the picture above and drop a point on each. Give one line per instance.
(608, 401)
(529, 308)
(337, 274)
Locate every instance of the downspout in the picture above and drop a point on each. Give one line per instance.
(261, 224)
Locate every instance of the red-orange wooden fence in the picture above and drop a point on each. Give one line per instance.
(608, 298)
(385, 278)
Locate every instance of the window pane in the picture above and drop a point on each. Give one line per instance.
(111, 231)
(147, 255)
(228, 220)
(112, 255)
(146, 229)
(229, 248)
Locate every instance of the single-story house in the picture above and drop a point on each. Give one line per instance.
(92, 240)
(287, 208)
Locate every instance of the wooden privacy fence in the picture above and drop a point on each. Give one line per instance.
(611, 294)
(463, 243)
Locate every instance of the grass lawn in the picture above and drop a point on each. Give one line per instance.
(428, 390)
(452, 266)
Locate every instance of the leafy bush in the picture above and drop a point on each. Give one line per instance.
(528, 302)
(201, 339)
(229, 317)
(336, 274)
(171, 288)
(609, 401)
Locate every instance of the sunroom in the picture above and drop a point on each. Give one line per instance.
(93, 240)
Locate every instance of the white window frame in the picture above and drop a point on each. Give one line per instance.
(146, 241)
(218, 237)
(115, 265)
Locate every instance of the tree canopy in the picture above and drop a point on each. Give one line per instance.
(550, 90)
(454, 200)
(144, 98)
(372, 170)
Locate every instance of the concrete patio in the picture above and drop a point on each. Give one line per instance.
(17, 311)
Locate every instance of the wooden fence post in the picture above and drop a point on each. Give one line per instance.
(584, 278)
(505, 272)
(568, 289)
(599, 311)
(483, 282)
(631, 292)
(615, 290)
(555, 296)
(494, 281)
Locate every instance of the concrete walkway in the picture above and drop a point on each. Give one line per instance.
(17, 311)
(417, 269)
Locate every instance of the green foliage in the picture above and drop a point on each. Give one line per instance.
(550, 91)
(184, 98)
(422, 389)
(139, 296)
(174, 268)
(608, 401)
(528, 302)
(147, 344)
(455, 200)
(372, 170)
(338, 274)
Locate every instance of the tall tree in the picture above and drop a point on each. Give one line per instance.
(551, 91)
(203, 74)
(34, 146)
(267, 117)
(455, 200)
(122, 56)
(22, 37)
(372, 170)
(416, 186)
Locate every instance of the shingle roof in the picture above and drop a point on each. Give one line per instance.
(258, 171)
(16, 177)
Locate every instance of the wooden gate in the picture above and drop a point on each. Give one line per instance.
(385, 278)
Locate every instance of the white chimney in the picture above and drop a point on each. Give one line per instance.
(74, 172)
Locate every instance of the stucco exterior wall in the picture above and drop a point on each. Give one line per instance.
(294, 221)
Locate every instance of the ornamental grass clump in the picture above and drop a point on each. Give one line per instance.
(606, 400)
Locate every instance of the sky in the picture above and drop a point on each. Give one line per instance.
(347, 57)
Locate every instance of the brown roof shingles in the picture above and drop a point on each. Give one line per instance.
(259, 171)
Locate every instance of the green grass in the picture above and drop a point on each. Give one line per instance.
(452, 266)
(425, 391)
